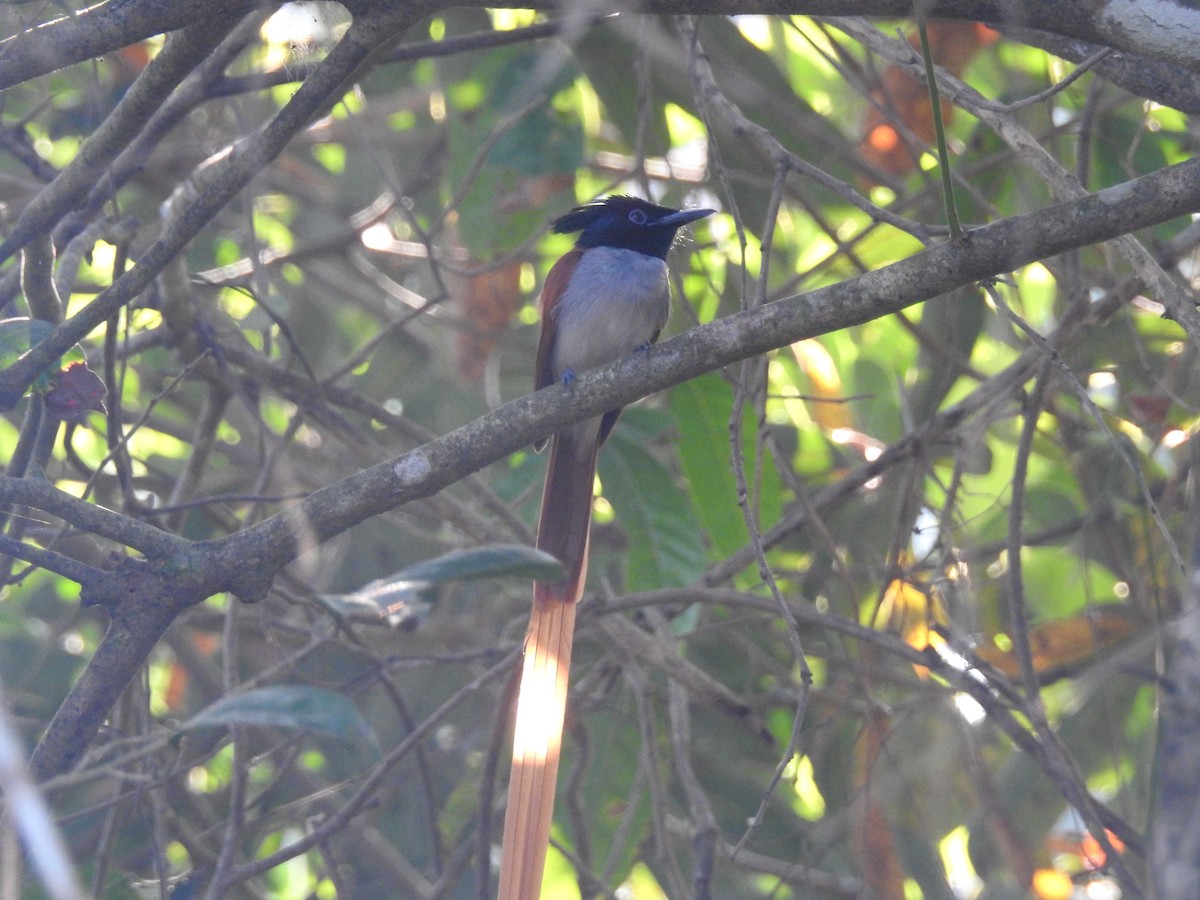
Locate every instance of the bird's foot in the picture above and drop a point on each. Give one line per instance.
(568, 377)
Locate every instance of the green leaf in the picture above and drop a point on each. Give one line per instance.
(664, 537)
(19, 335)
(611, 748)
(400, 600)
(702, 408)
(957, 318)
(407, 594)
(544, 140)
(295, 707)
(492, 561)
(1124, 149)
(504, 106)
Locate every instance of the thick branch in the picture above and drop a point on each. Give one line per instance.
(37, 493)
(102, 29)
(135, 628)
(1155, 79)
(1168, 35)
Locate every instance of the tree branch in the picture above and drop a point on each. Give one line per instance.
(365, 36)
(38, 493)
(101, 29)
(1168, 36)
(183, 52)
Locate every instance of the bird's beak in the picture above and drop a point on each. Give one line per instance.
(675, 220)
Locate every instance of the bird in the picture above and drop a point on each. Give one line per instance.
(605, 299)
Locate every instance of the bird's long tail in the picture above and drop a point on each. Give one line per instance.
(563, 531)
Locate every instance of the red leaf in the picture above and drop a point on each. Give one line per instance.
(78, 391)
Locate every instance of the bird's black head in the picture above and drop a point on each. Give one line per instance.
(627, 223)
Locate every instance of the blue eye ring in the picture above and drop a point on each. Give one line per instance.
(637, 217)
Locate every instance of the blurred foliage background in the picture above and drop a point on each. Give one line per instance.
(375, 286)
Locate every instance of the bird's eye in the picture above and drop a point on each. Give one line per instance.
(637, 217)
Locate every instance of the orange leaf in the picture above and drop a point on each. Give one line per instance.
(879, 864)
(486, 303)
(827, 408)
(910, 611)
(901, 97)
(1050, 884)
(1093, 854)
(1061, 646)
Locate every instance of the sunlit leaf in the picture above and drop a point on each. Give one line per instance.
(1062, 646)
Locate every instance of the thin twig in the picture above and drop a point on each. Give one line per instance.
(939, 129)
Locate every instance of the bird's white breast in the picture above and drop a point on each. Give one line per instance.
(616, 302)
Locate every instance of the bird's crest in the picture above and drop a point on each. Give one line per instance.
(618, 207)
(629, 223)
